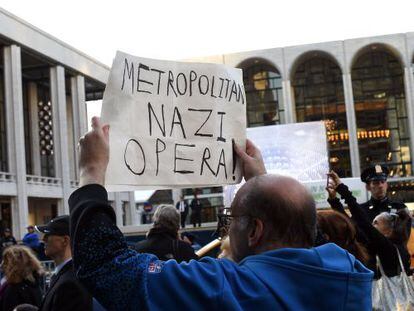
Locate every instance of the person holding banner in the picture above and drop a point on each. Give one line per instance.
(272, 230)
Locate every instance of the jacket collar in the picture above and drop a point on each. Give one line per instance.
(160, 231)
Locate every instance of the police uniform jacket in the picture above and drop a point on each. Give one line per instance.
(374, 207)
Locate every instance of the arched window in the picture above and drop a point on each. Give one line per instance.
(264, 97)
(381, 113)
(319, 95)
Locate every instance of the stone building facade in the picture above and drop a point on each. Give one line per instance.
(362, 88)
(45, 85)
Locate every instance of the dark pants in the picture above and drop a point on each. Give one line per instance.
(196, 218)
(183, 218)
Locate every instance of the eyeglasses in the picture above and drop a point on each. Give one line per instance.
(224, 221)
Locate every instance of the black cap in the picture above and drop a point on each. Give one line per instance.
(57, 226)
(375, 172)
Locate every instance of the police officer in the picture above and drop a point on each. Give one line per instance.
(375, 178)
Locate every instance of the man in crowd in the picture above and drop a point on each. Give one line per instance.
(182, 207)
(196, 208)
(162, 239)
(65, 291)
(31, 239)
(7, 240)
(272, 231)
(375, 178)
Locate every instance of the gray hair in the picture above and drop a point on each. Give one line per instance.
(167, 216)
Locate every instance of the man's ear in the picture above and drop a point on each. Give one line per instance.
(66, 239)
(256, 232)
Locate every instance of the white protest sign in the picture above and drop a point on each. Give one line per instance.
(172, 123)
(320, 195)
(298, 150)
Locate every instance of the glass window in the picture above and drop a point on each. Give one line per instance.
(402, 191)
(45, 131)
(319, 95)
(264, 97)
(27, 128)
(380, 107)
(36, 100)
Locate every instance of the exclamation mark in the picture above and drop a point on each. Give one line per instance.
(234, 158)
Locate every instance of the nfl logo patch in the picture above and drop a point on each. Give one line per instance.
(155, 267)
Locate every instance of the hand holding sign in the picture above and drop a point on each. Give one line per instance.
(172, 124)
(252, 160)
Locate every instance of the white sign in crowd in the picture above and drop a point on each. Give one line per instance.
(172, 123)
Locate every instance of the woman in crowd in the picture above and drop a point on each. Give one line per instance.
(386, 236)
(162, 239)
(22, 271)
(338, 228)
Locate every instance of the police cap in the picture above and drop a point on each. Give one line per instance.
(375, 172)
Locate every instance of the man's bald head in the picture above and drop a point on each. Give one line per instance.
(285, 207)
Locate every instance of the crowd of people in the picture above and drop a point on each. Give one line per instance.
(280, 253)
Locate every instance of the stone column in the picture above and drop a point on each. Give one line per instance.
(352, 126)
(288, 102)
(176, 194)
(133, 208)
(118, 209)
(128, 212)
(79, 114)
(15, 135)
(409, 97)
(18, 228)
(34, 124)
(60, 135)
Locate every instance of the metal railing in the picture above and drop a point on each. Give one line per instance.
(74, 184)
(44, 180)
(7, 177)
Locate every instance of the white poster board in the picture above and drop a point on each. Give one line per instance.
(172, 123)
(320, 195)
(298, 150)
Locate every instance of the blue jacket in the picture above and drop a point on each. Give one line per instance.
(321, 278)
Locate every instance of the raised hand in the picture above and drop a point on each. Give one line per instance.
(252, 161)
(94, 154)
(331, 188)
(334, 179)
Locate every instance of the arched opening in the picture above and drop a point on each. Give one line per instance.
(264, 96)
(319, 95)
(381, 112)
